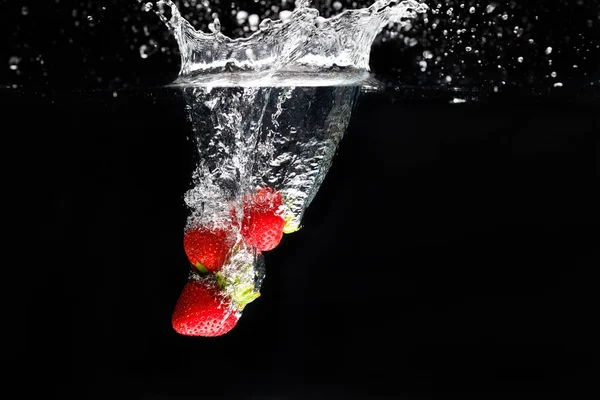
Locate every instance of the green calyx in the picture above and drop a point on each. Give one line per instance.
(244, 294)
(241, 294)
(201, 268)
(290, 226)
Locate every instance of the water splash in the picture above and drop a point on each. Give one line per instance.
(281, 138)
(302, 43)
(249, 137)
(268, 113)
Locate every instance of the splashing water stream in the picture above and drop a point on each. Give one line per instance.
(303, 43)
(269, 111)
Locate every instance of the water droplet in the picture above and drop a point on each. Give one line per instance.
(553, 74)
(13, 63)
(472, 10)
(337, 6)
(520, 59)
(468, 48)
(490, 8)
(241, 17)
(285, 15)
(144, 51)
(548, 50)
(253, 20)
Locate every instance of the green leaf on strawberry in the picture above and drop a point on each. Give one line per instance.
(241, 292)
(201, 268)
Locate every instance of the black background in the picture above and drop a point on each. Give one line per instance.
(449, 253)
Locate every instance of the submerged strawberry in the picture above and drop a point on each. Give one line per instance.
(203, 309)
(207, 249)
(263, 222)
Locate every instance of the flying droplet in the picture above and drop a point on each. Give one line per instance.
(13, 63)
(144, 51)
(253, 20)
(241, 17)
(285, 15)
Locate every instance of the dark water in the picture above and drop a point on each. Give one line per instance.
(449, 251)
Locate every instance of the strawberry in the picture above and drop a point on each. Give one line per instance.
(206, 248)
(203, 309)
(263, 222)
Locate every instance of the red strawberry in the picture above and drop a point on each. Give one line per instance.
(206, 248)
(203, 310)
(263, 223)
